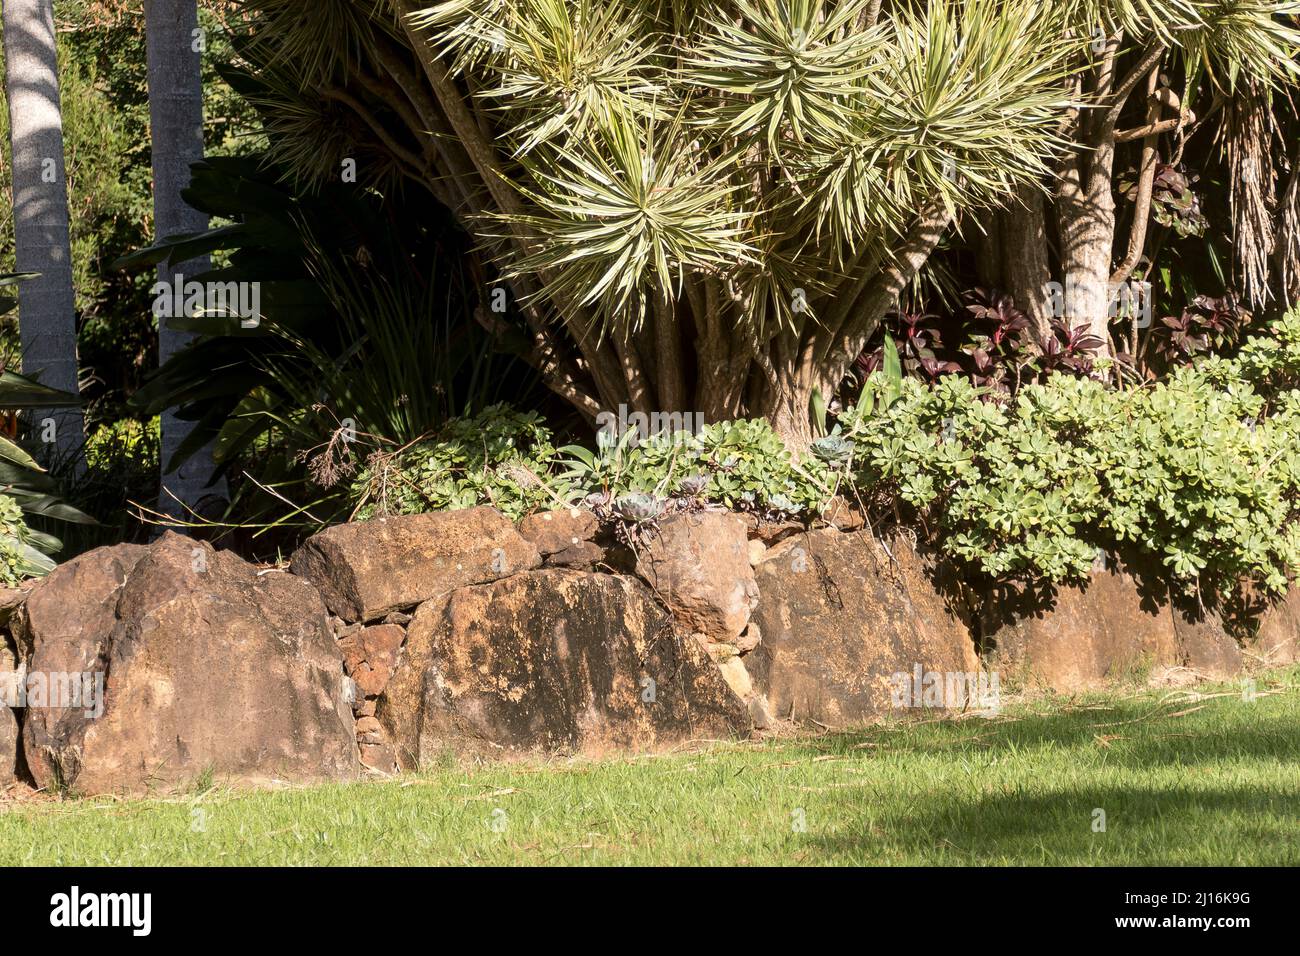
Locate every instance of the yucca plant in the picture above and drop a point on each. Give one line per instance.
(710, 206)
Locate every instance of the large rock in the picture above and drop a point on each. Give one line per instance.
(11, 600)
(841, 620)
(698, 564)
(1277, 631)
(10, 744)
(366, 569)
(206, 664)
(11, 674)
(553, 532)
(1204, 645)
(551, 660)
(1117, 626)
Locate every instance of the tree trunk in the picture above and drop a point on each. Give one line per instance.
(1022, 229)
(788, 410)
(1086, 206)
(986, 237)
(47, 306)
(176, 131)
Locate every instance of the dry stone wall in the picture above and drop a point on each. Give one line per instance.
(390, 643)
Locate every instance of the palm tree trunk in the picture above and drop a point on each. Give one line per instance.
(47, 306)
(176, 129)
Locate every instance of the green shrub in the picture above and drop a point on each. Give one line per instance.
(1270, 362)
(501, 457)
(1201, 470)
(124, 449)
(743, 465)
(506, 458)
(1007, 488)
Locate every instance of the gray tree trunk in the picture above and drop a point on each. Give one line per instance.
(176, 129)
(1087, 228)
(1026, 271)
(47, 306)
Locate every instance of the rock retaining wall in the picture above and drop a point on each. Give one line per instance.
(389, 643)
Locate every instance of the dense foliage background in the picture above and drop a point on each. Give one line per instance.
(396, 368)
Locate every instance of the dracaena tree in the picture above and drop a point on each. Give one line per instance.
(699, 206)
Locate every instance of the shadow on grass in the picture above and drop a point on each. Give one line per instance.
(1219, 825)
(1142, 736)
(1173, 789)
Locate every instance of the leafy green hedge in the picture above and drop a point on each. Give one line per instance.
(1201, 471)
(501, 456)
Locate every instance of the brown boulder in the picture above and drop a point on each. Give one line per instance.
(366, 569)
(10, 743)
(1115, 626)
(1277, 633)
(11, 674)
(11, 600)
(551, 660)
(698, 564)
(841, 619)
(378, 756)
(205, 663)
(1204, 645)
(371, 681)
(554, 531)
(772, 533)
(584, 554)
(843, 515)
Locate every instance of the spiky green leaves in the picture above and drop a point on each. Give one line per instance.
(565, 65)
(1255, 37)
(623, 213)
(556, 65)
(467, 31)
(962, 103)
(318, 40)
(780, 143)
(1221, 37)
(783, 67)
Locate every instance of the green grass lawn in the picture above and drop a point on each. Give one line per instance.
(1184, 777)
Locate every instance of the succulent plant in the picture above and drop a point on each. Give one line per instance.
(692, 486)
(638, 508)
(833, 449)
(782, 504)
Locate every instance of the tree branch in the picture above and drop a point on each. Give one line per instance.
(836, 350)
(1150, 129)
(1137, 236)
(1149, 60)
